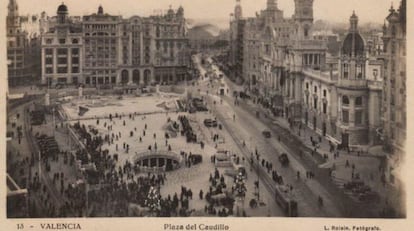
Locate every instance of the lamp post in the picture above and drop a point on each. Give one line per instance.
(153, 201)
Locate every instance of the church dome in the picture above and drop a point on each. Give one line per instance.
(62, 9)
(353, 44)
(100, 9)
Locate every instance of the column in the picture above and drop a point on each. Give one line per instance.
(69, 64)
(141, 73)
(312, 57)
(43, 56)
(352, 110)
(129, 76)
(55, 64)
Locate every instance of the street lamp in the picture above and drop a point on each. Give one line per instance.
(153, 200)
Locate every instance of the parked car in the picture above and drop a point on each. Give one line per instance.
(283, 159)
(369, 196)
(210, 123)
(267, 134)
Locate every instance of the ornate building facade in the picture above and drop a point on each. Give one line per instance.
(17, 47)
(395, 89)
(110, 50)
(290, 72)
(62, 53)
(237, 44)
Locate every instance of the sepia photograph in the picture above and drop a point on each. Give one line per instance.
(203, 109)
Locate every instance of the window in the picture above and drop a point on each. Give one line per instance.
(75, 69)
(75, 60)
(62, 70)
(358, 117)
(393, 47)
(75, 51)
(358, 101)
(75, 41)
(49, 70)
(307, 85)
(325, 106)
(49, 60)
(49, 41)
(63, 60)
(393, 31)
(346, 71)
(49, 51)
(359, 71)
(345, 116)
(306, 32)
(345, 100)
(62, 41)
(393, 115)
(62, 51)
(315, 103)
(315, 89)
(324, 93)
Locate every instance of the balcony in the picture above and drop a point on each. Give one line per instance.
(375, 85)
(352, 83)
(319, 74)
(310, 44)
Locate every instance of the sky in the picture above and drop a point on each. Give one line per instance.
(332, 10)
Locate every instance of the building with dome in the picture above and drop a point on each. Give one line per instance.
(103, 49)
(394, 101)
(237, 40)
(17, 47)
(62, 50)
(342, 95)
(292, 74)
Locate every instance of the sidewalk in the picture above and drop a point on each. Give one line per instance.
(366, 163)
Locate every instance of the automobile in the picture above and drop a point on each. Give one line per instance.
(267, 134)
(369, 196)
(210, 123)
(283, 159)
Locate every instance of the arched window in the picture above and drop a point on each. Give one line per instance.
(346, 71)
(358, 101)
(345, 100)
(393, 31)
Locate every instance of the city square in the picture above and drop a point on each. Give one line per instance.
(174, 127)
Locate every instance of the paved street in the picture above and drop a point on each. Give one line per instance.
(337, 202)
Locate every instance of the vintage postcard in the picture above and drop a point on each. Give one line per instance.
(205, 115)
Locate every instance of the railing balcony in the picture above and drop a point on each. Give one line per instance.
(352, 83)
(310, 44)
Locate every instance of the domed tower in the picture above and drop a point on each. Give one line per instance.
(100, 10)
(271, 5)
(352, 88)
(62, 13)
(238, 10)
(13, 19)
(353, 55)
(180, 12)
(303, 18)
